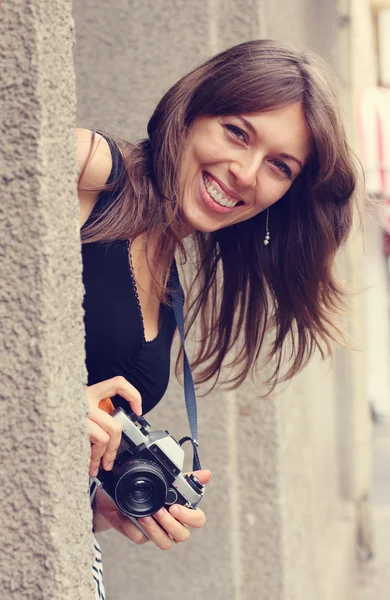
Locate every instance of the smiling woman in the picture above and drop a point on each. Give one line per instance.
(234, 167)
(248, 156)
(255, 127)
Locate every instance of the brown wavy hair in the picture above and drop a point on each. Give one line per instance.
(241, 288)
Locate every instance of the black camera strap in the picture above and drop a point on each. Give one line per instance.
(189, 389)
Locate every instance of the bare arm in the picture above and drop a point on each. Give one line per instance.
(94, 164)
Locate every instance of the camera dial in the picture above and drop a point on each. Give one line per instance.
(195, 483)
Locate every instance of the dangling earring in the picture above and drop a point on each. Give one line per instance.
(267, 233)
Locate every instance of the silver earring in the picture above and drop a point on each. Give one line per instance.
(267, 233)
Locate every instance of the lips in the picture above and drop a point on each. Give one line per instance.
(223, 188)
(217, 194)
(210, 204)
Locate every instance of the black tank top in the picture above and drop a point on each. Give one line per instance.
(115, 339)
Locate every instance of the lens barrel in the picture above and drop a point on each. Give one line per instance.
(140, 488)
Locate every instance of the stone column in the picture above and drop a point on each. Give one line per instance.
(46, 542)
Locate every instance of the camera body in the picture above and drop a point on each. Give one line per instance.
(147, 472)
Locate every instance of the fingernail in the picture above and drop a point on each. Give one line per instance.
(160, 512)
(145, 520)
(109, 466)
(174, 510)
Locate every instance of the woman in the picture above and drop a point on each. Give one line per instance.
(247, 157)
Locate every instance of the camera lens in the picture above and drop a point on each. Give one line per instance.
(140, 488)
(141, 491)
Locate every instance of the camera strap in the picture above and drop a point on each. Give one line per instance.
(189, 389)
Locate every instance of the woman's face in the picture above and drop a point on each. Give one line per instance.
(233, 167)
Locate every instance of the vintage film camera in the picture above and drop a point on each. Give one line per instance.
(147, 472)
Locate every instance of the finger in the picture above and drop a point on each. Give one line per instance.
(99, 440)
(105, 508)
(188, 516)
(112, 387)
(177, 531)
(129, 529)
(155, 533)
(114, 430)
(203, 476)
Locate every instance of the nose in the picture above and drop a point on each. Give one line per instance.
(245, 169)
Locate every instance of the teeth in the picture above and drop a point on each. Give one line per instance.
(217, 196)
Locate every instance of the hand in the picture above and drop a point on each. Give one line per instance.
(164, 528)
(104, 431)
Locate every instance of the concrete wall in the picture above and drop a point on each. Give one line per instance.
(282, 504)
(45, 541)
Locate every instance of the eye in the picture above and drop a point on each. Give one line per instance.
(237, 132)
(285, 169)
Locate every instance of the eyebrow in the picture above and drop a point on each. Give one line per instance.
(249, 125)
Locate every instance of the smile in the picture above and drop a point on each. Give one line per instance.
(217, 194)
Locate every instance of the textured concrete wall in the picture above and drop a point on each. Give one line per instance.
(279, 525)
(45, 541)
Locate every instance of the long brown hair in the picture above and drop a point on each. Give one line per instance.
(242, 288)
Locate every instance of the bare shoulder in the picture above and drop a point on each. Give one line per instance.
(94, 164)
